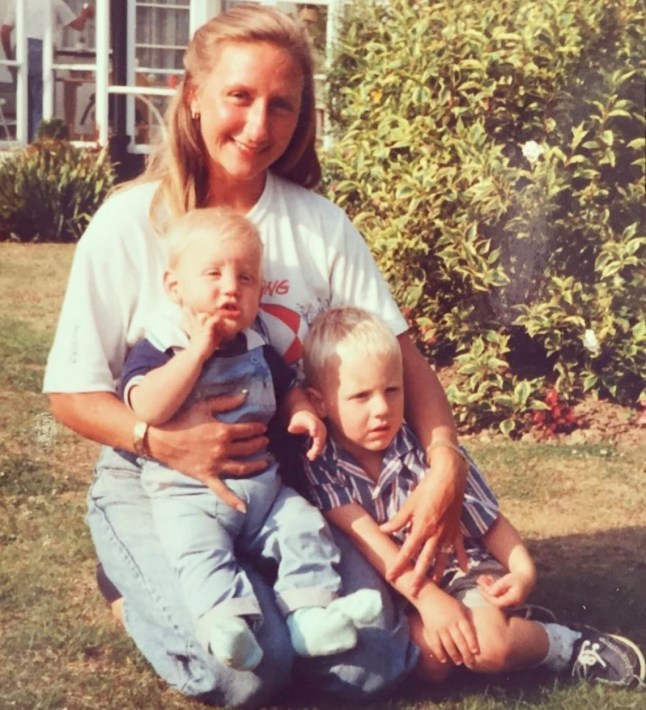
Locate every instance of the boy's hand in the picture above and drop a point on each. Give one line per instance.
(449, 631)
(205, 332)
(511, 589)
(306, 422)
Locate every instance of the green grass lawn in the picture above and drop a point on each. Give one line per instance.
(582, 509)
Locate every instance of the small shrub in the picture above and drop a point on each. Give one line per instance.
(52, 129)
(493, 157)
(49, 190)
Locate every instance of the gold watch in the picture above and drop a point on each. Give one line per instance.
(139, 440)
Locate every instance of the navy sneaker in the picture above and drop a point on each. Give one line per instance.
(606, 658)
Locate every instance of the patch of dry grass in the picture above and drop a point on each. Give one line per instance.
(583, 510)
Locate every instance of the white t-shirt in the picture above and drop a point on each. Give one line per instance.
(35, 15)
(314, 259)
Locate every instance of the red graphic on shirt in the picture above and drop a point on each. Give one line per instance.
(275, 288)
(284, 324)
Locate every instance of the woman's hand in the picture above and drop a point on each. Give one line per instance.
(198, 445)
(433, 512)
(193, 442)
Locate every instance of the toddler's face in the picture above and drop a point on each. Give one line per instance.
(220, 276)
(363, 400)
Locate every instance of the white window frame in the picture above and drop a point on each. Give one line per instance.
(199, 12)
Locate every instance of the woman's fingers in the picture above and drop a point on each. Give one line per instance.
(223, 403)
(226, 494)
(200, 445)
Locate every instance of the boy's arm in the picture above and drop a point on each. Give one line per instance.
(162, 391)
(505, 543)
(447, 625)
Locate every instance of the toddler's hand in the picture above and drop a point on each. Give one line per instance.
(509, 590)
(204, 332)
(306, 422)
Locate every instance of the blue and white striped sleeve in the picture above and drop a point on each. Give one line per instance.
(326, 485)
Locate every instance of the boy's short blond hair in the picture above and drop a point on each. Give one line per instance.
(222, 221)
(339, 331)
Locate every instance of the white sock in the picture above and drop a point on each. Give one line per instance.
(561, 646)
(323, 631)
(232, 642)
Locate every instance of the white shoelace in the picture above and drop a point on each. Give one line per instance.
(589, 655)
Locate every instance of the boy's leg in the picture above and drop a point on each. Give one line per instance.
(197, 532)
(155, 615)
(384, 654)
(296, 536)
(321, 620)
(507, 643)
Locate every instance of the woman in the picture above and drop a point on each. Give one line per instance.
(240, 133)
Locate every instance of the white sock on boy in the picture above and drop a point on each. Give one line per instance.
(323, 631)
(561, 646)
(232, 642)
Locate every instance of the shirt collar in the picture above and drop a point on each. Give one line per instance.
(392, 463)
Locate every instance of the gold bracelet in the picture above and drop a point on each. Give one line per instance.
(139, 439)
(445, 445)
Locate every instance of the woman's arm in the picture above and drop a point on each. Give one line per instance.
(194, 442)
(447, 624)
(434, 508)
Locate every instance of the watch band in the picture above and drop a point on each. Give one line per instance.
(139, 440)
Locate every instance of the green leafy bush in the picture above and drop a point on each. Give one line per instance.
(493, 156)
(49, 190)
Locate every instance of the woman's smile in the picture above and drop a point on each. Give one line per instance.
(248, 108)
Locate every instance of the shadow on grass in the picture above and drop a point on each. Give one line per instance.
(597, 579)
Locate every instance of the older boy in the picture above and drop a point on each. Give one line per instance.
(372, 462)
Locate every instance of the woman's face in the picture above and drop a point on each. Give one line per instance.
(249, 106)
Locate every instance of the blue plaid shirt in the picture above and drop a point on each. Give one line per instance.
(335, 479)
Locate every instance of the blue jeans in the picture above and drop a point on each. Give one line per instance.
(203, 537)
(155, 616)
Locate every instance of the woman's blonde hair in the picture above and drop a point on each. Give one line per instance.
(340, 331)
(181, 161)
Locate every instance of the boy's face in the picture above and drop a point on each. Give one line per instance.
(219, 276)
(363, 400)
